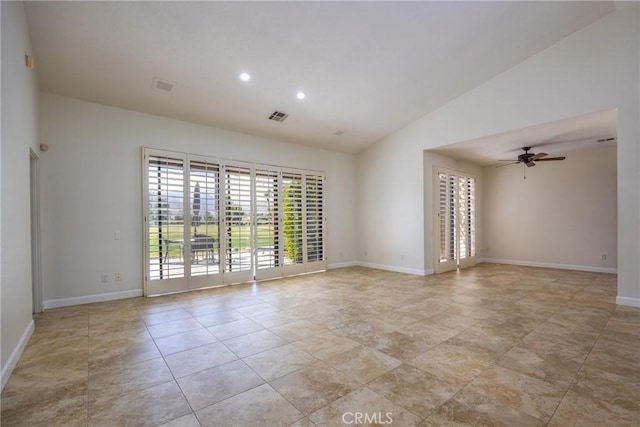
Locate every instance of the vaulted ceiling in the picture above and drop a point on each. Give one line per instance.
(367, 68)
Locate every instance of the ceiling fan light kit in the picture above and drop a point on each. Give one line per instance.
(530, 159)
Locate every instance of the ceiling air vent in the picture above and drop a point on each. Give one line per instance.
(278, 116)
(607, 139)
(164, 85)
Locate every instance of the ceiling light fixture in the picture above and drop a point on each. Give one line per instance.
(245, 77)
(301, 95)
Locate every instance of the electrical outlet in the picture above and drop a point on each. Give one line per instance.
(340, 253)
(402, 257)
(118, 277)
(365, 253)
(104, 278)
(604, 257)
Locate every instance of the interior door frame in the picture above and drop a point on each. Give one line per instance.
(36, 265)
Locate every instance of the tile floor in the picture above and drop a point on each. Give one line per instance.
(493, 345)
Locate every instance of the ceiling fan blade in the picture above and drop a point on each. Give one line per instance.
(513, 163)
(530, 164)
(551, 159)
(539, 156)
(510, 160)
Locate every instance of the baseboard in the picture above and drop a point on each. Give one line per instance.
(550, 265)
(341, 265)
(631, 302)
(88, 299)
(8, 368)
(397, 269)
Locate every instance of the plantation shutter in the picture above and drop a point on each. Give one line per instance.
(267, 214)
(455, 223)
(204, 183)
(164, 217)
(314, 198)
(467, 215)
(209, 222)
(238, 261)
(293, 223)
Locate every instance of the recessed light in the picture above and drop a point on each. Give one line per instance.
(245, 77)
(301, 95)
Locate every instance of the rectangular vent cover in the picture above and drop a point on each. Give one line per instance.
(278, 116)
(162, 85)
(607, 139)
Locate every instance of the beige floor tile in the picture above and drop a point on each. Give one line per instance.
(165, 316)
(215, 384)
(617, 389)
(280, 361)
(399, 345)
(65, 407)
(173, 327)
(184, 421)
(363, 364)
(224, 331)
(268, 408)
(134, 332)
(526, 394)
(413, 389)
(219, 317)
(256, 309)
(363, 407)
(253, 343)
(148, 407)
(25, 393)
(551, 367)
(303, 422)
(427, 333)
(471, 409)
(198, 359)
(269, 320)
(107, 381)
(326, 344)
(450, 363)
(184, 341)
(579, 410)
(482, 344)
(452, 321)
(120, 351)
(297, 330)
(313, 387)
(505, 339)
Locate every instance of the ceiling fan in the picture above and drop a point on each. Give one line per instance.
(530, 159)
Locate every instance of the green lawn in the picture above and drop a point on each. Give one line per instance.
(240, 237)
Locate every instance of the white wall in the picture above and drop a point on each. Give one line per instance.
(562, 215)
(593, 69)
(19, 132)
(92, 185)
(431, 160)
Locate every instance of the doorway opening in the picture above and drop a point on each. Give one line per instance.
(455, 213)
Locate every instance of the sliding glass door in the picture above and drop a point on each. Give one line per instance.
(210, 222)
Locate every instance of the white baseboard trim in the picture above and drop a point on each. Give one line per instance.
(8, 368)
(88, 299)
(631, 302)
(397, 269)
(550, 265)
(341, 265)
